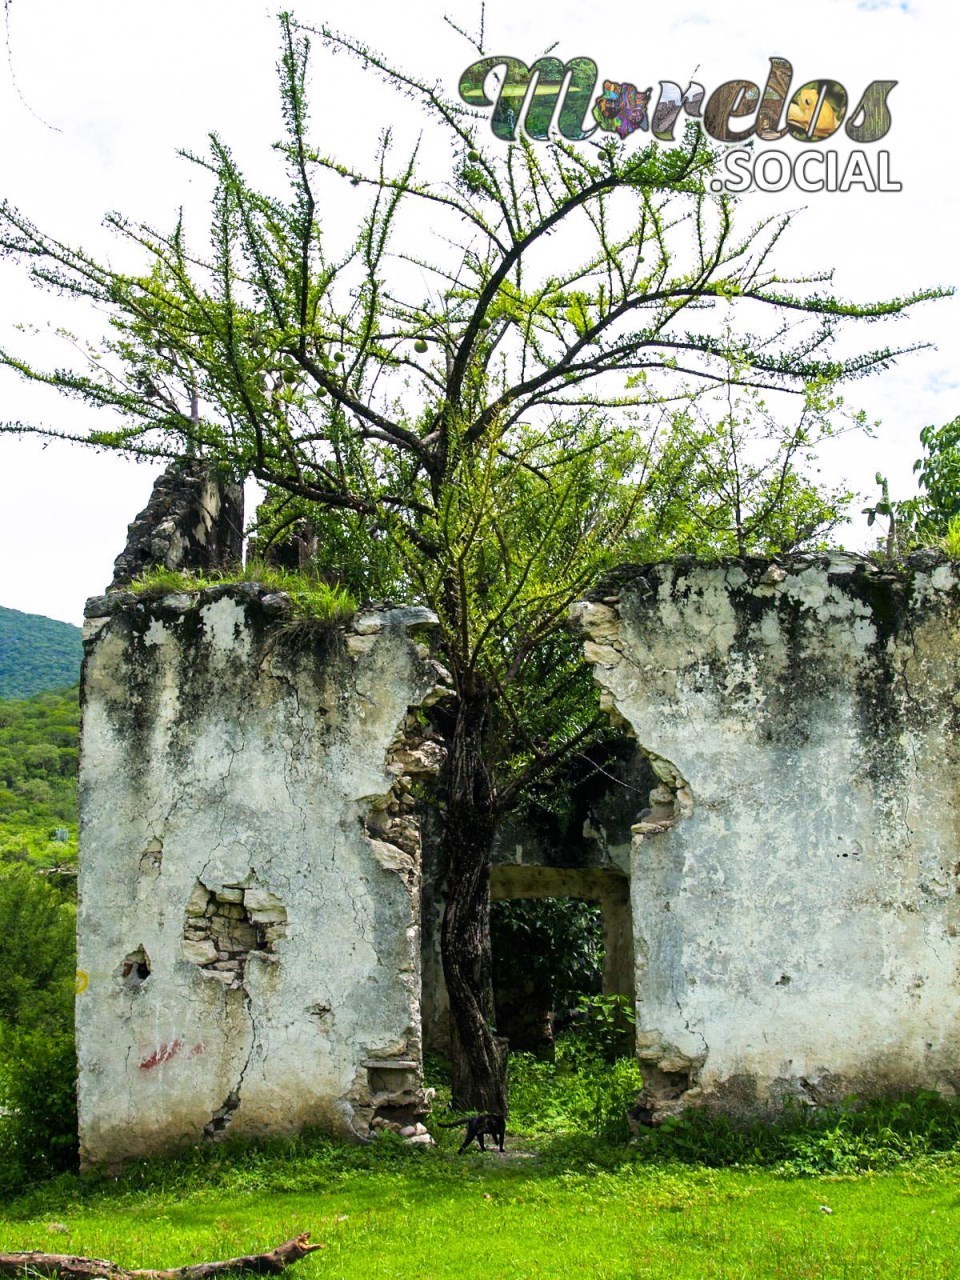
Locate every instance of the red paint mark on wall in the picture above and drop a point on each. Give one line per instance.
(162, 1053)
(196, 1051)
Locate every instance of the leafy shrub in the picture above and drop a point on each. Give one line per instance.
(604, 1028)
(38, 1123)
(615, 1090)
(38, 1074)
(852, 1138)
(555, 942)
(582, 1091)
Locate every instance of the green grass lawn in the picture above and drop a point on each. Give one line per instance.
(391, 1212)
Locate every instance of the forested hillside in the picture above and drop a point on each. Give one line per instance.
(36, 654)
(38, 777)
(38, 833)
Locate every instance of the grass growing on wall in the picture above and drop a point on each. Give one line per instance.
(950, 542)
(311, 598)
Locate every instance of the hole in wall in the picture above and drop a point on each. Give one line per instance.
(152, 857)
(135, 969)
(397, 1117)
(220, 1121)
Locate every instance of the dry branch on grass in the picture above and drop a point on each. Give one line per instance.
(61, 1266)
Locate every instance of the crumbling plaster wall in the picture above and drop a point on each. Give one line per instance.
(795, 880)
(249, 874)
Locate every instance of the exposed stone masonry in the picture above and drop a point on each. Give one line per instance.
(223, 928)
(415, 755)
(194, 520)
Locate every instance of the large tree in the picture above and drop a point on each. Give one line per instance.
(472, 396)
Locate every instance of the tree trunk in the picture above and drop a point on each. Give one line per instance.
(479, 1056)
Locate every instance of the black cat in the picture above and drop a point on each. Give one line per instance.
(477, 1126)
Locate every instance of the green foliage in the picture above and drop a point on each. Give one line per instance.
(38, 1073)
(311, 597)
(352, 551)
(36, 654)
(555, 942)
(929, 519)
(38, 760)
(857, 1137)
(547, 1099)
(886, 509)
(38, 1124)
(574, 1094)
(734, 478)
(605, 1027)
(615, 1093)
(938, 471)
(950, 542)
(37, 949)
(592, 1083)
(38, 767)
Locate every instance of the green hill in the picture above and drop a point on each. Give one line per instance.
(36, 654)
(38, 778)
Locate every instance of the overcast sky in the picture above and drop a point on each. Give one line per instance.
(97, 97)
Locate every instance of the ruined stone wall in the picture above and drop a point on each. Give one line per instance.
(249, 870)
(795, 875)
(194, 520)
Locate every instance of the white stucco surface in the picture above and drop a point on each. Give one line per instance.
(232, 761)
(795, 900)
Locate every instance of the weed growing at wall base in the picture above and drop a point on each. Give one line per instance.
(854, 1138)
(393, 1212)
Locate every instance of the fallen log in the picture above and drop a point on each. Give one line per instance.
(63, 1266)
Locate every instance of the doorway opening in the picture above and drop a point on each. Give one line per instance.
(559, 936)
